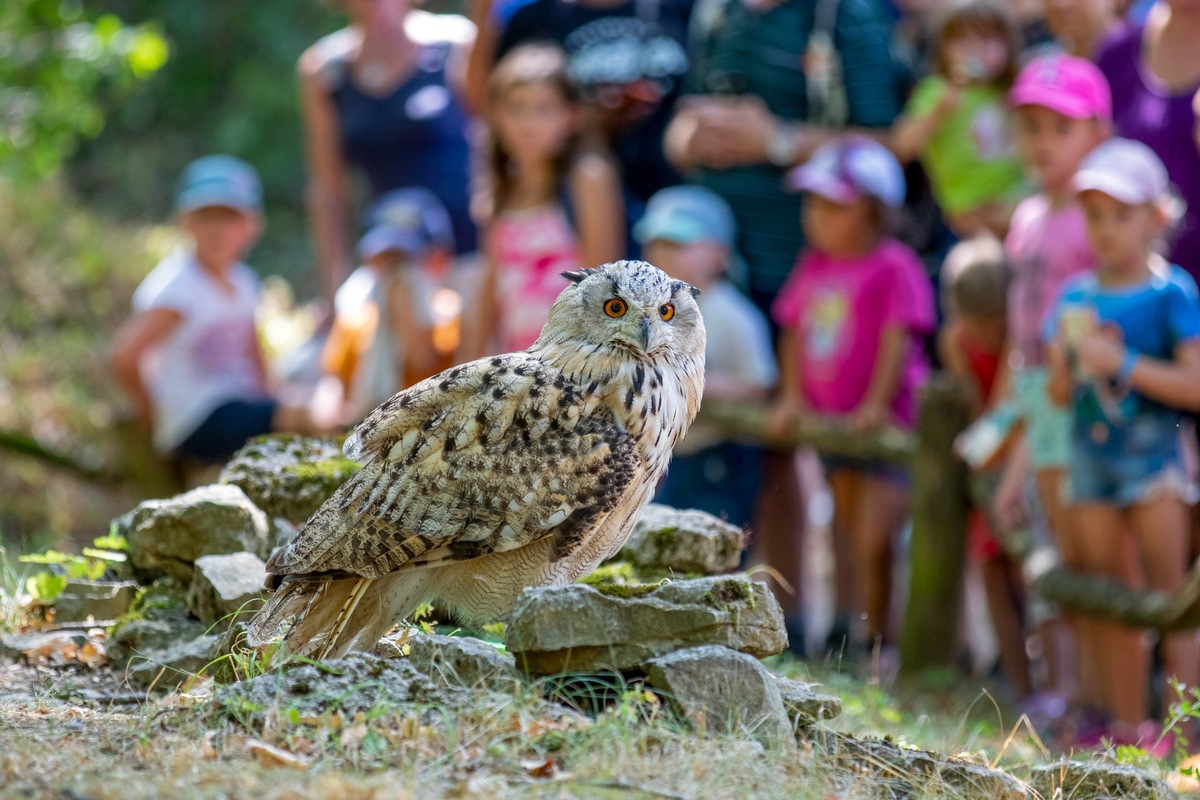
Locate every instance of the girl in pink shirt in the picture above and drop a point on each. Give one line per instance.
(550, 204)
(851, 316)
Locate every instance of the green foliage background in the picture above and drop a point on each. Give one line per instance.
(84, 81)
(229, 86)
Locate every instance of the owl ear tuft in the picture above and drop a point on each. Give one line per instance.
(578, 276)
(680, 286)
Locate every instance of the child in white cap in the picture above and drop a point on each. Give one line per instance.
(851, 315)
(189, 356)
(1125, 355)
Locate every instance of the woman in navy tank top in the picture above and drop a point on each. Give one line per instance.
(379, 104)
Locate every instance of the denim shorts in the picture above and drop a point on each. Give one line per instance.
(1124, 465)
(226, 429)
(1047, 426)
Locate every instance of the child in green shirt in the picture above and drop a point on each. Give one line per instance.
(957, 120)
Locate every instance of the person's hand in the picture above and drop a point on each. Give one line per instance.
(951, 99)
(730, 131)
(869, 416)
(1100, 353)
(784, 415)
(1056, 355)
(1008, 503)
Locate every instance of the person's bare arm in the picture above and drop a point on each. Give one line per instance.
(875, 407)
(328, 190)
(477, 333)
(789, 406)
(1058, 388)
(599, 212)
(911, 134)
(139, 333)
(1175, 383)
(265, 380)
(480, 57)
(406, 325)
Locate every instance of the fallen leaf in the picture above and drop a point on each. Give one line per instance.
(208, 748)
(270, 755)
(353, 736)
(539, 769)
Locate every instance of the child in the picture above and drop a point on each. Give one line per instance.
(972, 344)
(190, 356)
(689, 233)
(850, 315)
(957, 123)
(1062, 110)
(550, 204)
(1125, 355)
(382, 335)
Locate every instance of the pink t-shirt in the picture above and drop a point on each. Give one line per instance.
(840, 308)
(532, 247)
(1046, 247)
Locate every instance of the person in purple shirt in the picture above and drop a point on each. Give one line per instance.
(1154, 71)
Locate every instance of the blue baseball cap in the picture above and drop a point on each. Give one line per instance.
(850, 167)
(687, 214)
(219, 181)
(412, 220)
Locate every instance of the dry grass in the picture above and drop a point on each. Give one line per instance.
(51, 748)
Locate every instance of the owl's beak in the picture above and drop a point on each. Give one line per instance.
(646, 337)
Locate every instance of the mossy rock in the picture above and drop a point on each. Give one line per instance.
(289, 476)
(614, 627)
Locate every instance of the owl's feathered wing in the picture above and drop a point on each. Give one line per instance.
(456, 468)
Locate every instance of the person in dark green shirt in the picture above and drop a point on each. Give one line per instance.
(770, 81)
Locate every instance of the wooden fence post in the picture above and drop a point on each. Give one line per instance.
(941, 501)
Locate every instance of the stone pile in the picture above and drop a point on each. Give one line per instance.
(669, 613)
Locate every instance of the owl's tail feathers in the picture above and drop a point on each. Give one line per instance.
(325, 617)
(314, 616)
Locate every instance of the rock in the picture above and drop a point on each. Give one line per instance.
(579, 628)
(807, 703)
(168, 668)
(100, 600)
(145, 635)
(453, 660)
(158, 619)
(226, 587)
(683, 540)
(1093, 780)
(360, 682)
(900, 772)
(722, 691)
(289, 476)
(167, 536)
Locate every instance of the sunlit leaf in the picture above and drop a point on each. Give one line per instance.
(45, 587)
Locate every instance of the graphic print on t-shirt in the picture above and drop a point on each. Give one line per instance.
(826, 323)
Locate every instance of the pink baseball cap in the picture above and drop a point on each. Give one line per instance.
(1074, 87)
(1124, 169)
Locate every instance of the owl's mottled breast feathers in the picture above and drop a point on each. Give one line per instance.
(455, 468)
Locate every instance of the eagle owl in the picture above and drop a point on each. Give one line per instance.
(524, 469)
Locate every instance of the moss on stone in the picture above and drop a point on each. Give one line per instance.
(725, 593)
(329, 469)
(625, 590)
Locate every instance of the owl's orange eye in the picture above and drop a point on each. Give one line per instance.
(615, 307)
(667, 311)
